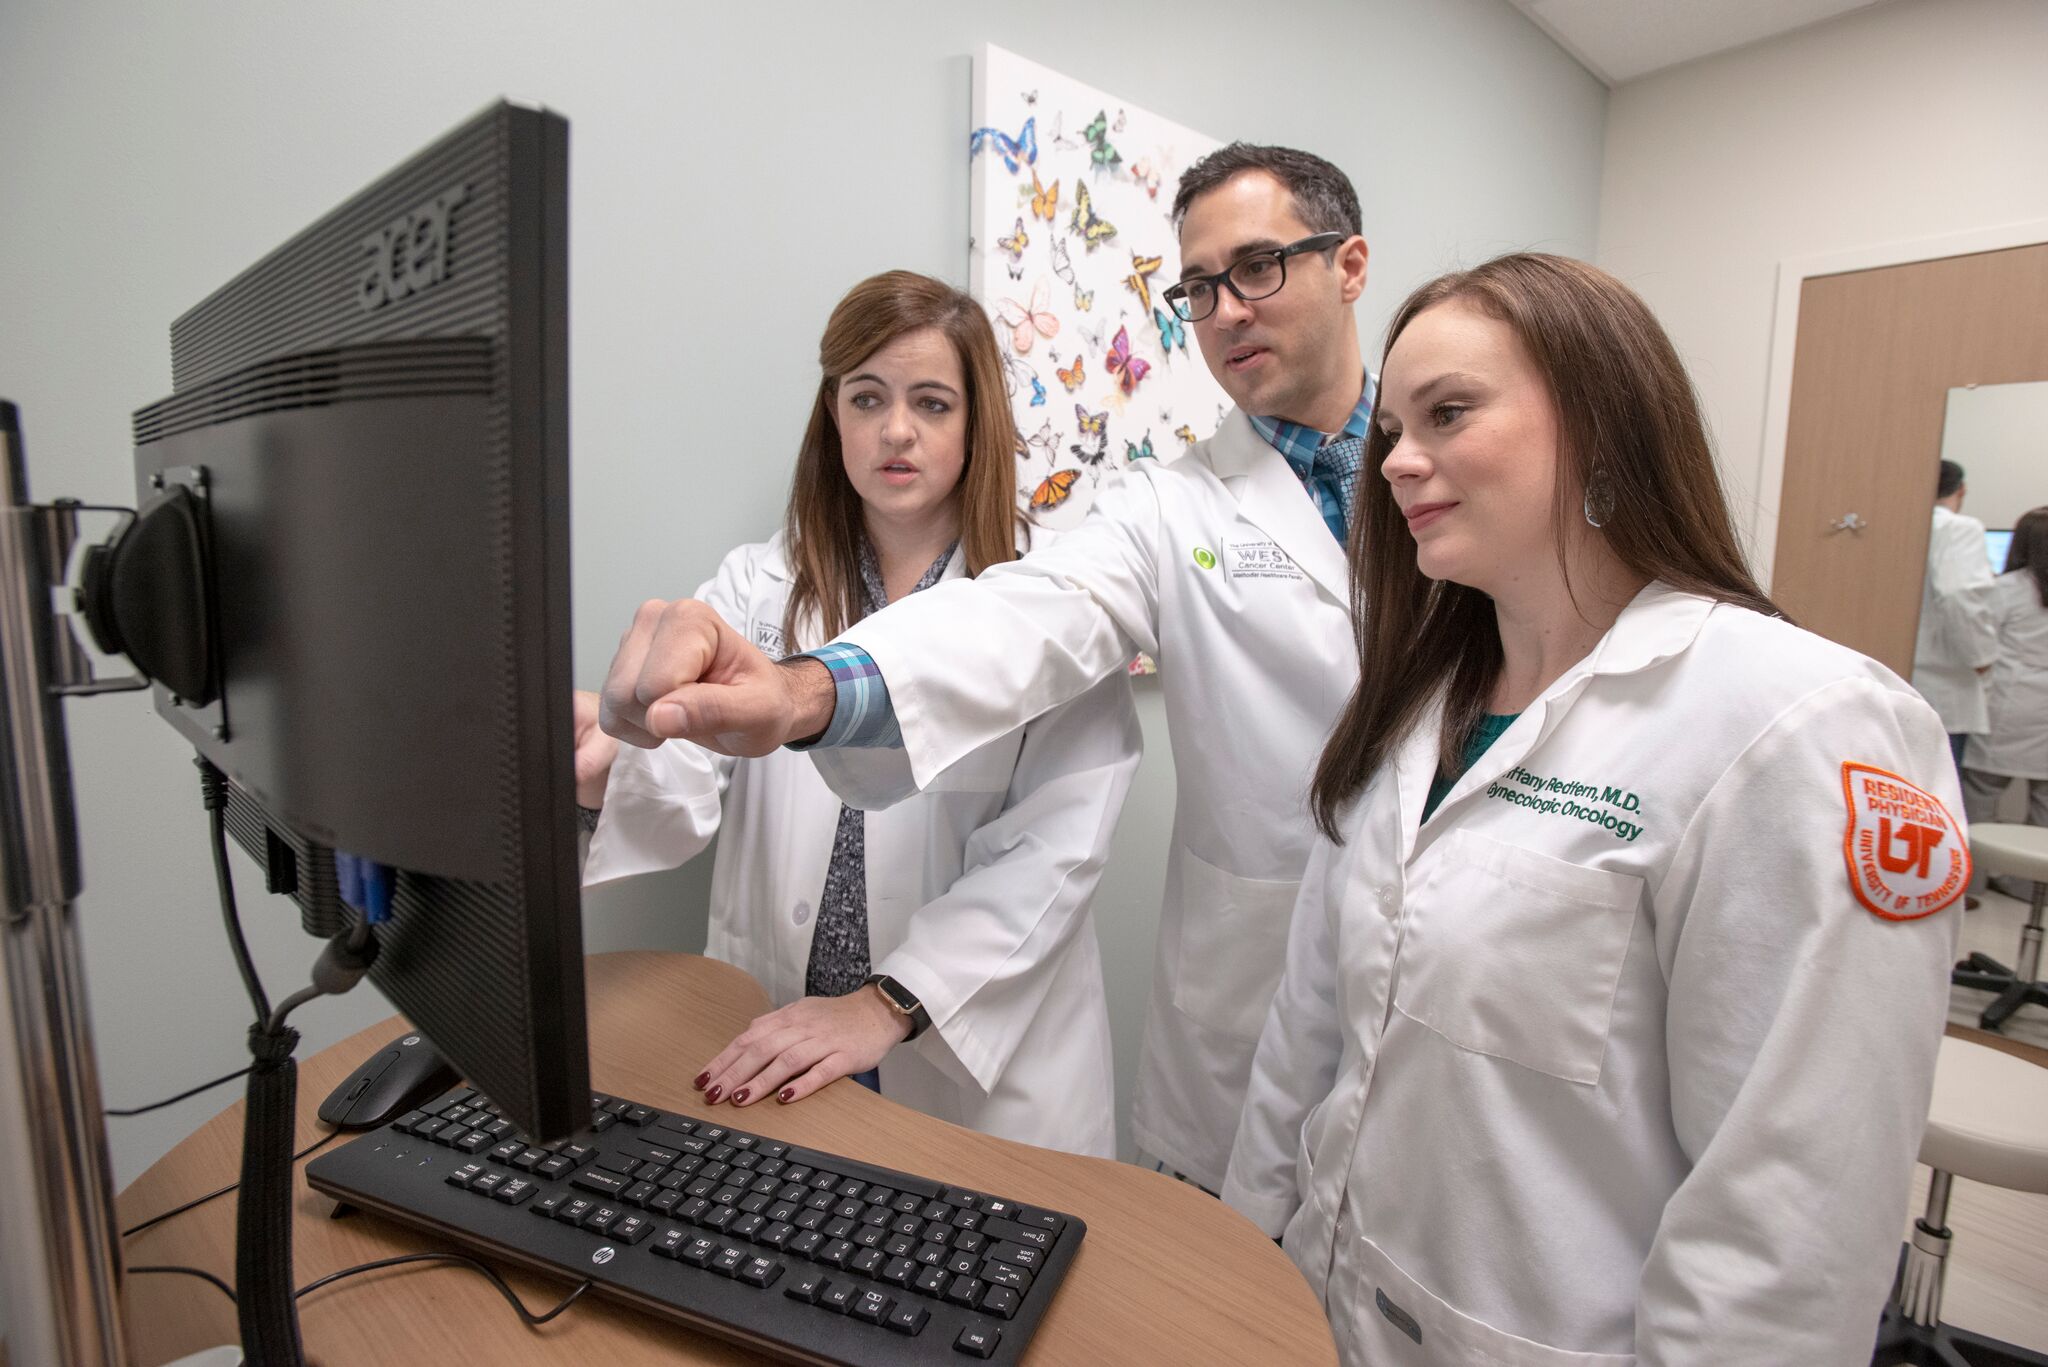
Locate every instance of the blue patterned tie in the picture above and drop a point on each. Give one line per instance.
(1333, 478)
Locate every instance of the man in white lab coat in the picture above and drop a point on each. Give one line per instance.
(1226, 566)
(1958, 638)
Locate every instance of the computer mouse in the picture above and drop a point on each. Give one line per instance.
(391, 1082)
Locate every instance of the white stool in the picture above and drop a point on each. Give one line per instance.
(2022, 851)
(1989, 1123)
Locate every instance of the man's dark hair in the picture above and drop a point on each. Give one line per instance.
(1323, 196)
(1950, 479)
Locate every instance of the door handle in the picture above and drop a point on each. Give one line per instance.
(1847, 522)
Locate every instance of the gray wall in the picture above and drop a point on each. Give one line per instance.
(734, 170)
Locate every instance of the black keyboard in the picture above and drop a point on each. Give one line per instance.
(802, 1254)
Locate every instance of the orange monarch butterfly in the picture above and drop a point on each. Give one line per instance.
(1054, 488)
(1045, 199)
(1070, 376)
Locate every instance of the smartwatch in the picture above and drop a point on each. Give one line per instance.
(903, 1002)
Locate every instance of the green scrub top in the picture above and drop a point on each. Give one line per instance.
(1489, 730)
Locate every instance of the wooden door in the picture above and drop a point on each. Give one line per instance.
(1876, 355)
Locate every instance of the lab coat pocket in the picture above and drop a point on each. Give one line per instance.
(1517, 954)
(984, 770)
(1233, 946)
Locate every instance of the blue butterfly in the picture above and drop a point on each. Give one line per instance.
(1172, 332)
(1020, 150)
(1037, 392)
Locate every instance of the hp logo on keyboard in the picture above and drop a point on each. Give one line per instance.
(603, 1255)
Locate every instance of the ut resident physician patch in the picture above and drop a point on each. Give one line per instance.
(1906, 857)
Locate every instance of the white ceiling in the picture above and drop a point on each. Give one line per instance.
(1619, 40)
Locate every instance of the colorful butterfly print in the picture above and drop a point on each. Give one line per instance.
(1014, 245)
(1070, 376)
(1094, 434)
(1019, 151)
(1096, 134)
(1172, 332)
(1045, 199)
(1084, 300)
(1144, 173)
(1093, 231)
(1028, 322)
(1062, 264)
(1135, 452)
(1127, 368)
(1139, 281)
(1186, 434)
(1053, 490)
(1037, 392)
(1016, 272)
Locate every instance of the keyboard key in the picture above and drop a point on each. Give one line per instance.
(840, 1228)
(638, 1115)
(899, 1246)
(851, 1188)
(931, 1255)
(516, 1191)
(907, 1318)
(553, 1166)
(805, 1284)
(839, 1296)
(632, 1229)
(647, 1152)
(835, 1253)
(908, 1225)
(963, 1264)
(744, 1141)
(465, 1174)
(871, 1306)
(868, 1236)
(429, 1126)
(771, 1167)
(670, 1241)
(572, 1211)
(547, 1205)
(602, 1121)
(1043, 1219)
(728, 1261)
(721, 1153)
(971, 1241)
(963, 1198)
(849, 1209)
(866, 1261)
(613, 1161)
(576, 1153)
(599, 1180)
(528, 1159)
(823, 1181)
(1000, 1209)
(775, 1234)
(488, 1183)
(639, 1194)
(1002, 1274)
(719, 1218)
(936, 1210)
(498, 1129)
(1000, 1301)
(650, 1171)
(807, 1243)
(508, 1150)
(966, 1291)
(774, 1150)
(760, 1271)
(976, 1341)
(711, 1133)
(755, 1203)
(700, 1186)
(694, 1210)
(664, 1202)
(796, 1172)
(408, 1120)
(698, 1251)
(727, 1196)
(601, 1219)
(1019, 1234)
(899, 1271)
(932, 1281)
(617, 1107)
(906, 1204)
(474, 1142)
(809, 1219)
(879, 1216)
(938, 1232)
(1018, 1255)
(745, 1226)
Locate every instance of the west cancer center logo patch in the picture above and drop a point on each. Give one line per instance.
(1906, 858)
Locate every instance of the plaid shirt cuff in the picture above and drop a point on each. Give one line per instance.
(862, 718)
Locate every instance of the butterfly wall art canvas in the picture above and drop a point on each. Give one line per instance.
(1072, 241)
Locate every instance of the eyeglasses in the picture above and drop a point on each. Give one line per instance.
(1256, 276)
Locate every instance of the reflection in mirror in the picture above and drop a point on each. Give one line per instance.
(1981, 656)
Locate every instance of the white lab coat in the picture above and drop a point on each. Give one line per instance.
(1220, 567)
(1637, 1079)
(978, 891)
(1956, 636)
(2015, 738)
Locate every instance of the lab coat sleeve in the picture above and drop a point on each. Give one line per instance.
(1963, 592)
(1801, 1033)
(981, 956)
(968, 661)
(1295, 1066)
(662, 806)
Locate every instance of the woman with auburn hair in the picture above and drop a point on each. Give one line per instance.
(1613, 993)
(957, 921)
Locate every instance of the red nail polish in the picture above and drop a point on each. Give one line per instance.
(712, 1096)
(739, 1098)
(702, 1078)
(788, 1094)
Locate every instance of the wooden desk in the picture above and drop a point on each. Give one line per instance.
(1166, 1275)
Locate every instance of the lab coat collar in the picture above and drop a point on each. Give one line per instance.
(1271, 497)
(1659, 623)
(775, 564)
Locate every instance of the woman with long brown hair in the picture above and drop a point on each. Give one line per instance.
(958, 920)
(1613, 994)
(2014, 745)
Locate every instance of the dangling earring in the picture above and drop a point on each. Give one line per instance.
(1599, 499)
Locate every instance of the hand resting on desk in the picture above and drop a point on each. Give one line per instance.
(681, 671)
(791, 1052)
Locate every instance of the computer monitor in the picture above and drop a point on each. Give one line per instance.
(1997, 546)
(373, 424)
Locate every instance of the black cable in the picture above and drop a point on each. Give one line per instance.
(173, 1100)
(213, 791)
(311, 1148)
(532, 1320)
(225, 1289)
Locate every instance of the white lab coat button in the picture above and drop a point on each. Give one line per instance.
(1390, 905)
(802, 913)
